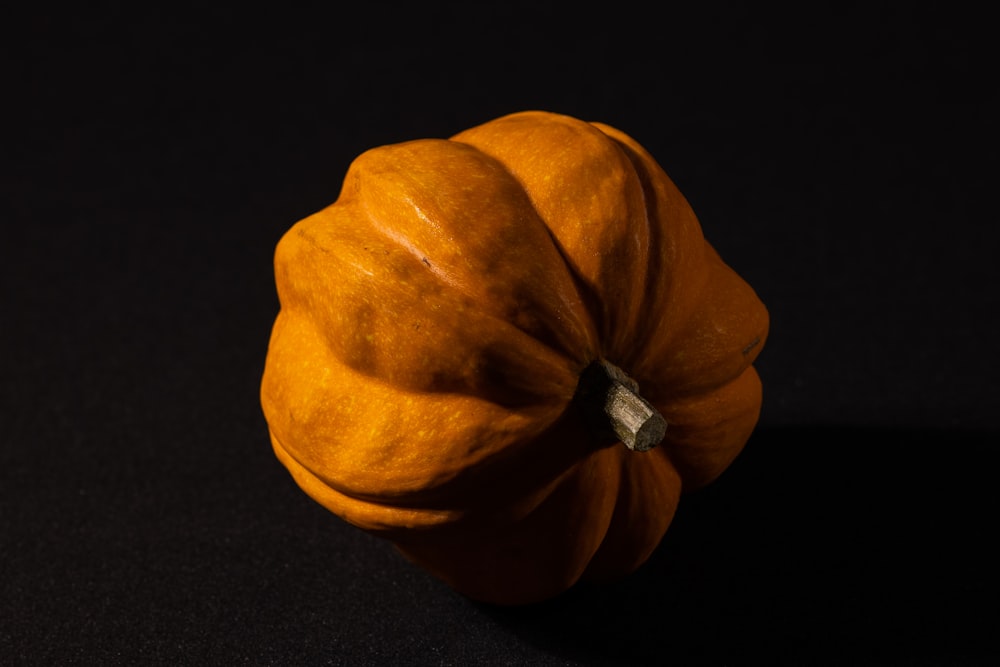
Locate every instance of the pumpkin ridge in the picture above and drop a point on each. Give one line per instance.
(653, 273)
(360, 436)
(358, 511)
(598, 240)
(585, 291)
(424, 510)
(500, 321)
(497, 262)
(309, 254)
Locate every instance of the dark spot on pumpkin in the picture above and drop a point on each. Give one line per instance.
(751, 346)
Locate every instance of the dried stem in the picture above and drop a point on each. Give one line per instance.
(634, 421)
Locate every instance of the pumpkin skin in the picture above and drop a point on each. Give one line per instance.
(435, 322)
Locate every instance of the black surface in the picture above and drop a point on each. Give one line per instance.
(843, 160)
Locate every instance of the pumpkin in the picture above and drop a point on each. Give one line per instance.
(509, 353)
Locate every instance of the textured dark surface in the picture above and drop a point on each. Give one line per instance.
(844, 161)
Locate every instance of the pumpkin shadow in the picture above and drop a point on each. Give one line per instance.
(819, 545)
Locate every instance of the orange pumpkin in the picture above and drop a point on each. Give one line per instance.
(471, 331)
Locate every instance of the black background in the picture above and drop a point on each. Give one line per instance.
(842, 158)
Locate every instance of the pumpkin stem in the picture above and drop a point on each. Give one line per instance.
(636, 423)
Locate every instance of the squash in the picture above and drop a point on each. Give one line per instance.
(508, 353)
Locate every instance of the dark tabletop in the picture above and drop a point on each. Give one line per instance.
(843, 160)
